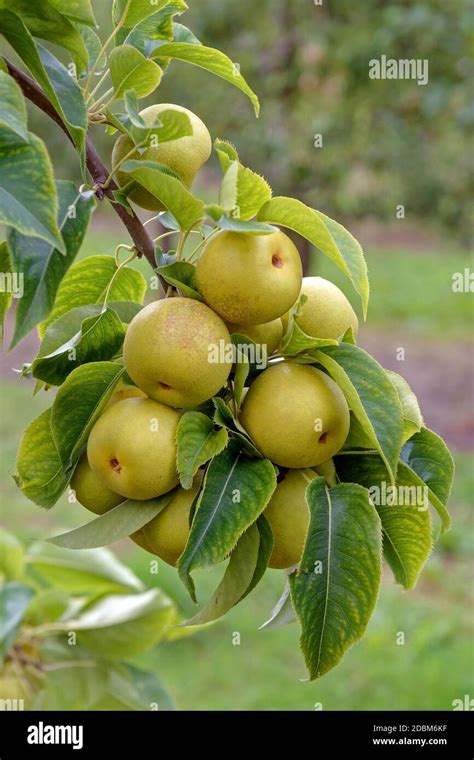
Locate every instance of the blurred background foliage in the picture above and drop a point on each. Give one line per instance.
(384, 143)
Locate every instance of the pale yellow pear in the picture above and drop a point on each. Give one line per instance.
(91, 490)
(288, 515)
(249, 279)
(269, 334)
(122, 391)
(173, 351)
(132, 448)
(185, 156)
(327, 313)
(296, 415)
(166, 535)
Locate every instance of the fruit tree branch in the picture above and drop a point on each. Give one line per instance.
(141, 239)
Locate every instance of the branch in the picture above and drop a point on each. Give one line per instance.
(141, 239)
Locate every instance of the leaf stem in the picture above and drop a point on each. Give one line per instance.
(96, 108)
(120, 163)
(201, 243)
(119, 268)
(99, 83)
(104, 48)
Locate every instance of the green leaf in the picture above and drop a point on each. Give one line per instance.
(68, 328)
(147, 34)
(13, 111)
(371, 397)
(181, 275)
(297, 342)
(138, 11)
(95, 571)
(121, 626)
(76, 10)
(42, 20)
(331, 238)
(282, 613)
(244, 191)
(431, 464)
(210, 59)
(171, 124)
(11, 557)
(406, 526)
(28, 201)
(41, 475)
(185, 208)
(98, 339)
(265, 549)
(117, 523)
(14, 601)
(40, 263)
(335, 589)
(78, 404)
(181, 33)
(93, 45)
(226, 153)
(236, 490)
(237, 578)
(198, 441)
(6, 291)
(69, 96)
(62, 90)
(242, 365)
(412, 417)
(239, 225)
(87, 281)
(129, 69)
(224, 416)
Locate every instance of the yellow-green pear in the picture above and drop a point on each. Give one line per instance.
(327, 313)
(269, 334)
(123, 391)
(185, 156)
(249, 279)
(132, 448)
(166, 535)
(175, 351)
(296, 415)
(91, 490)
(288, 516)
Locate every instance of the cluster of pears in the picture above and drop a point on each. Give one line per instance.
(295, 414)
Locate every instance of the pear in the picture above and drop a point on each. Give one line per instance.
(249, 279)
(173, 351)
(132, 448)
(327, 313)
(91, 490)
(296, 415)
(288, 515)
(269, 334)
(123, 391)
(185, 156)
(166, 535)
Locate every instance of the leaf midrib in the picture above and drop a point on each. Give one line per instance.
(326, 600)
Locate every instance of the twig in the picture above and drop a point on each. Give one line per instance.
(141, 239)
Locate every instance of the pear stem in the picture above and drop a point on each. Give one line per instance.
(328, 471)
(119, 268)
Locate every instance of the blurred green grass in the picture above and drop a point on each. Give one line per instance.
(208, 671)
